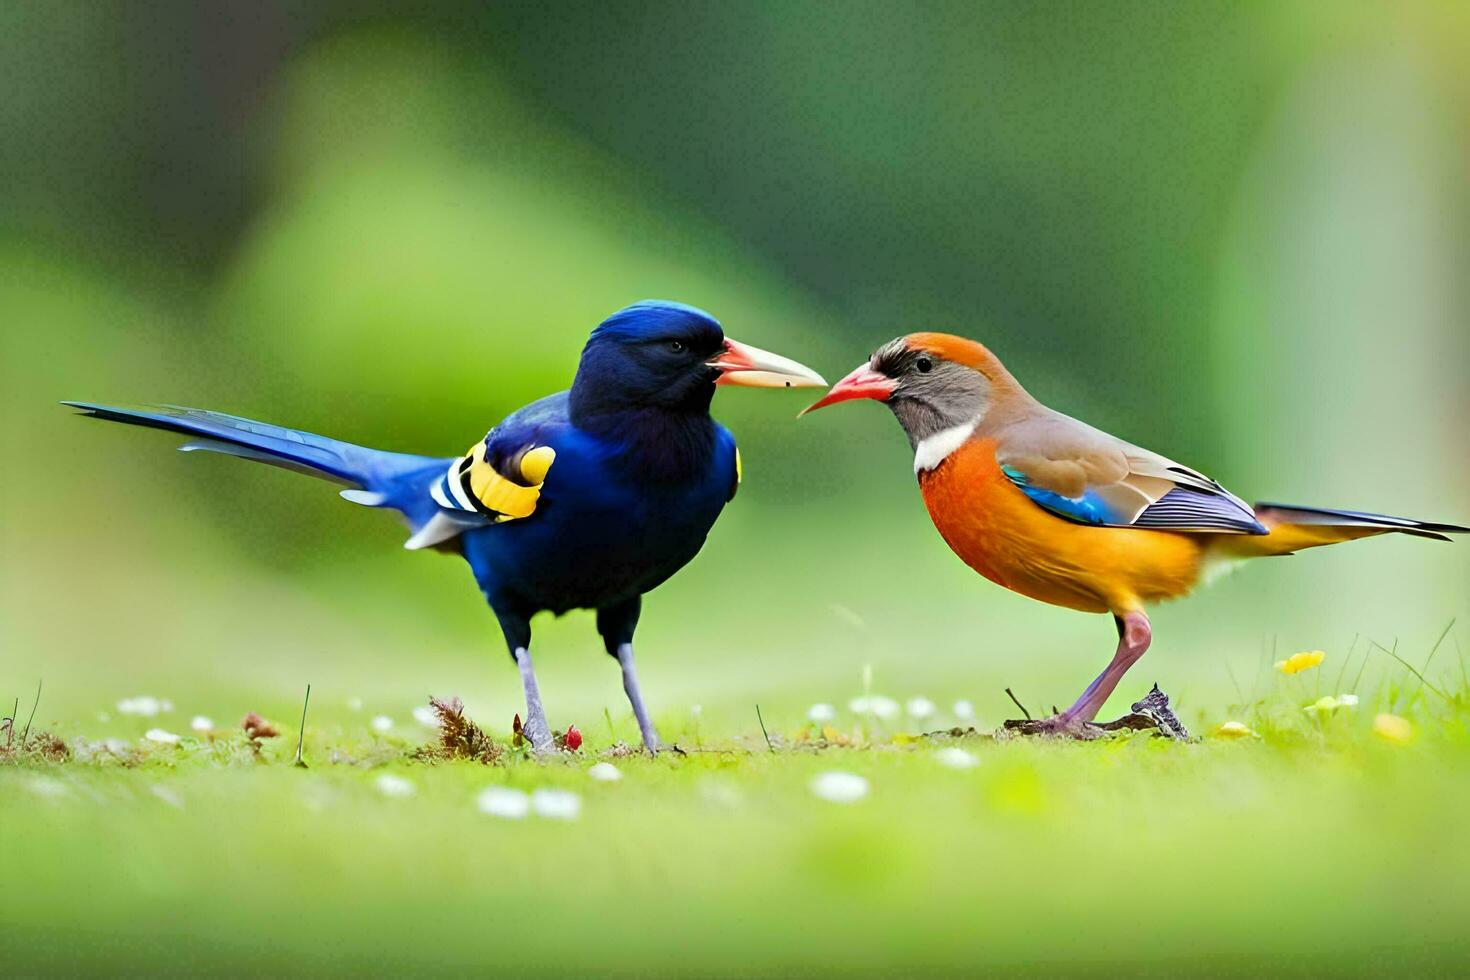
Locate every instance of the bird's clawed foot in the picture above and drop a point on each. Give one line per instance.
(1057, 726)
(1152, 713)
(536, 731)
(651, 742)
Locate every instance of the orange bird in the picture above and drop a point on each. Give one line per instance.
(1054, 509)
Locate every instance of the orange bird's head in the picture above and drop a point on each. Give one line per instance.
(933, 382)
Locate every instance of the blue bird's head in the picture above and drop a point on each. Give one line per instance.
(664, 355)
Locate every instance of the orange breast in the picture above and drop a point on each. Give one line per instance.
(1003, 535)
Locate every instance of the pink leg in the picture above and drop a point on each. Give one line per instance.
(1134, 634)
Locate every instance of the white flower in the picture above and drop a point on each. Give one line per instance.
(51, 789)
(964, 711)
(605, 772)
(1329, 703)
(919, 707)
(167, 795)
(875, 705)
(821, 712)
(556, 804)
(382, 723)
(839, 787)
(721, 793)
(498, 801)
(354, 704)
(161, 737)
(201, 724)
(144, 705)
(394, 786)
(696, 710)
(884, 707)
(426, 716)
(956, 758)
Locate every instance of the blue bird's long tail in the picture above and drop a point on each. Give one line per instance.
(376, 478)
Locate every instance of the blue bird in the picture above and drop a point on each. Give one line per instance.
(585, 499)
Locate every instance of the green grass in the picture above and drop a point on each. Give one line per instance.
(1315, 847)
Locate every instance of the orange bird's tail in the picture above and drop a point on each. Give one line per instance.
(1294, 528)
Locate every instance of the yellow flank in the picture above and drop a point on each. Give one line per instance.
(1286, 538)
(506, 497)
(739, 469)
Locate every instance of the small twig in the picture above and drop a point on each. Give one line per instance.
(301, 733)
(1017, 703)
(763, 728)
(612, 732)
(27, 733)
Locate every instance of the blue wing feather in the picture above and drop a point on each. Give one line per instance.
(1181, 509)
(1086, 509)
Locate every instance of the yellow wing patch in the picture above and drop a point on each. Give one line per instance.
(473, 484)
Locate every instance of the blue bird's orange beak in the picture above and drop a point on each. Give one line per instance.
(742, 364)
(863, 382)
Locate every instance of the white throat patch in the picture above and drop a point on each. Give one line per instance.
(932, 451)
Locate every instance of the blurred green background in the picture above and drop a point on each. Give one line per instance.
(1234, 233)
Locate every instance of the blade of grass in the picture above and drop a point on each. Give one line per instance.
(1393, 704)
(1239, 694)
(1432, 651)
(1345, 660)
(301, 732)
(10, 724)
(26, 734)
(1460, 656)
(763, 728)
(1361, 667)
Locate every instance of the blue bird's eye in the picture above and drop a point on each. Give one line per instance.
(677, 346)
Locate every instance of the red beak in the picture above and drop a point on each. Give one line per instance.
(863, 382)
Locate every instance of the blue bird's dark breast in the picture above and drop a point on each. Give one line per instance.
(620, 512)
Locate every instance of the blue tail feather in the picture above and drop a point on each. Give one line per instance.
(400, 480)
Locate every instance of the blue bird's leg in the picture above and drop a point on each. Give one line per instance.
(536, 728)
(635, 698)
(517, 629)
(616, 625)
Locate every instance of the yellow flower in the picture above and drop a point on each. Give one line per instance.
(1392, 728)
(1234, 729)
(1298, 662)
